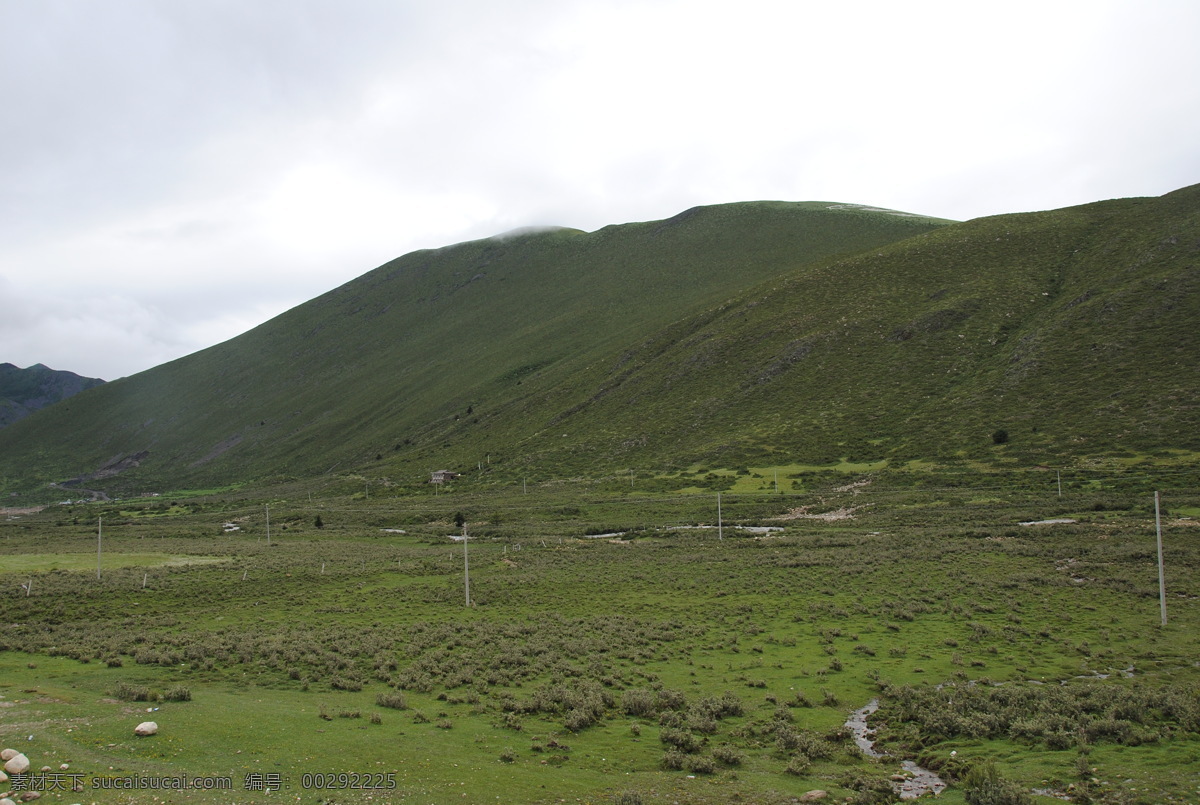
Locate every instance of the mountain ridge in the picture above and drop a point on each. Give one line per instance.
(653, 344)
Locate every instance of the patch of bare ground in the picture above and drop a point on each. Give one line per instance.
(855, 487)
(805, 513)
(18, 511)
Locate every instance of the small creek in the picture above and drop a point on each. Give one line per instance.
(918, 781)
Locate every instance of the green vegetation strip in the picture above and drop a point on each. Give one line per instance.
(43, 562)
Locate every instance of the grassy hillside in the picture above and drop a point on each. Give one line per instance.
(761, 334)
(1072, 331)
(399, 356)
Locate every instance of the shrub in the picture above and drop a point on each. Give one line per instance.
(870, 790)
(133, 693)
(638, 702)
(799, 700)
(668, 699)
(702, 722)
(683, 740)
(342, 683)
(729, 755)
(983, 785)
(798, 764)
(178, 693)
(395, 701)
(787, 740)
(579, 718)
(673, 759)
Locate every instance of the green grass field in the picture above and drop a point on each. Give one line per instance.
(664, 665)
(44, 562)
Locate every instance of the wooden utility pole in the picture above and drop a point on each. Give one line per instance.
(1162, 581)
(99, 541)
(466, 567)
(720, 526)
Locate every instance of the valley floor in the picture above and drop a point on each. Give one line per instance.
(669, 663)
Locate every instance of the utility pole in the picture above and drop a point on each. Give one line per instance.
(268, 508)
(1162, 582)
(466, 567)
(99, 541)
(1060, 483)
(720, 526)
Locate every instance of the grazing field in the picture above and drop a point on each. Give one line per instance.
(43, 562)
(620, 646)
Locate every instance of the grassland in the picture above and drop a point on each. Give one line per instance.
(670, 663)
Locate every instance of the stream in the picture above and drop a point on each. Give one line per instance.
(917, 782)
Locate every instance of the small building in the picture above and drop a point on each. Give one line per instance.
(441, 476)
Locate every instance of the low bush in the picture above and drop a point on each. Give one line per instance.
(395, 700)
(127, 692)
(983, 785)
(177, 693)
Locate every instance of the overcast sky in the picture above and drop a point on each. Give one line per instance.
(174, 172)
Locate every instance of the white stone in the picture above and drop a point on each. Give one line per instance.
(145, 728)
(17, 764)
(8, 754)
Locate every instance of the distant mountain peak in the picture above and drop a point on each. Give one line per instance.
(23, 391)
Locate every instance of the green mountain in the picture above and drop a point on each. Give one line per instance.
(1073, 332)
(23, 391)
(757, 332)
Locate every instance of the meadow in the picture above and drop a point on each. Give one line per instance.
(621, 644)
